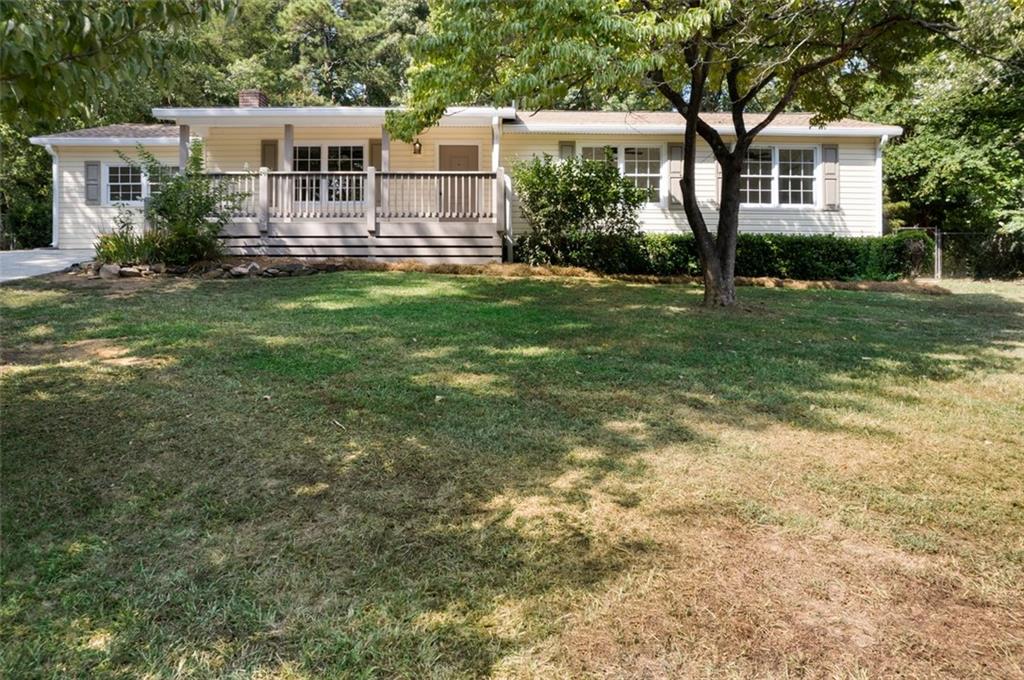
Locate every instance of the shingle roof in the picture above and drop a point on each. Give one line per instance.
(126, 130)
(661, 119)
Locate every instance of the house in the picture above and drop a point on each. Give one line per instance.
(328, 181)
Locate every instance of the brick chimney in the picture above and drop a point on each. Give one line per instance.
(252, 99)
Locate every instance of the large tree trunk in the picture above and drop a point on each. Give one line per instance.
(718, 253)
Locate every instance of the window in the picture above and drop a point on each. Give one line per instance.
(642, 164)
(779, 176)
(124, 184)
(796, 176)
(600, 153)
(306, 159)
(345, 159)
(156, 181)
(756, 180)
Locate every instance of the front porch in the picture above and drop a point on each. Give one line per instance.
(431, 216)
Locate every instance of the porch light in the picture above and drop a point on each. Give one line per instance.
(417, 147)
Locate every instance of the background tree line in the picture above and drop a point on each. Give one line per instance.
(66, 64)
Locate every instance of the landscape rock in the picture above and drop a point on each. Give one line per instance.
(158, 268)
(289, 268)
(130, 272)
(214, 274)
(110, 271)
(248, 269)
(177, 269)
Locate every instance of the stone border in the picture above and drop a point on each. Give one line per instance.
(268, 267)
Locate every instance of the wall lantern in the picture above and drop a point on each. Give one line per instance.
(417, 147)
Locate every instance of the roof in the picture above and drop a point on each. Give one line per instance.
(538, 122)
(243, 116)
(114, 135)
(671, 122)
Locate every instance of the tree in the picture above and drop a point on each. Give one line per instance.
(747, 55)
(59, 54)
(960, 164)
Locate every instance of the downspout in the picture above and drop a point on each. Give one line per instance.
(55, 170)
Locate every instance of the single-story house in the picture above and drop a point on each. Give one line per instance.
(329, 182)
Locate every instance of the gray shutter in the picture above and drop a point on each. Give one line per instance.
(566, 149)
(718, 180)
(830, 163)
(675, 175)
(92, 182)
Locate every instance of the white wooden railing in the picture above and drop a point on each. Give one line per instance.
(437, 195)
(246, 185)
(343, 196)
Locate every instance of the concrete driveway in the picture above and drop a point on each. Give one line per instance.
(21, 264)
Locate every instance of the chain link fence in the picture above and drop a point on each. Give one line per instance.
(971, 254)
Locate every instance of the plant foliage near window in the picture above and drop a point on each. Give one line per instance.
(185, 214)
(577, 210)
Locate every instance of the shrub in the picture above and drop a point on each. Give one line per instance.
(1001, 256)
(185, 217)
(812, 257)
(125, 245)
(579, 211)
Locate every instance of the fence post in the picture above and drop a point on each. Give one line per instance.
(938, 254)
(263, 212)
(370, 200)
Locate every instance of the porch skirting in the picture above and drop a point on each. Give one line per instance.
(429, 241)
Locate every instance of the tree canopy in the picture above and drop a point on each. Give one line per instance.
(769, 55)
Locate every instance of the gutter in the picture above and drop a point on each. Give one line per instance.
(623, 129)
(57, 140)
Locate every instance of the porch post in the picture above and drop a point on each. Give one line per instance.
(289, 140)
(286, 164)
(370, 203)
(495, 143)
(183, 141)
(264, 207)
(385, 166)
(499, 199)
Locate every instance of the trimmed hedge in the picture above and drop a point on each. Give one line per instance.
(895, 256)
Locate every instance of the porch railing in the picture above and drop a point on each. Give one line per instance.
(437, 195)
(456, 196)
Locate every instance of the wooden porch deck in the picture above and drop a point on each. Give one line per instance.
(457, 217)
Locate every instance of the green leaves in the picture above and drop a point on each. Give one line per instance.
(62, 54)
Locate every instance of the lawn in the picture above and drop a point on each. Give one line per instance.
(384, 474)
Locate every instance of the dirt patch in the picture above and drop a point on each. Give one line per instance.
(762, 603)
(100, 350)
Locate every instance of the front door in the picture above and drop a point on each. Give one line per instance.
(458, 192)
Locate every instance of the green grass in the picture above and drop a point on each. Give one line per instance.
(407, 475)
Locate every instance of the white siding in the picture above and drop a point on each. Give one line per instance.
(860, 195)
(81, 224)
(228, 149)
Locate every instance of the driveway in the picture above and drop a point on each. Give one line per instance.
(20, 264)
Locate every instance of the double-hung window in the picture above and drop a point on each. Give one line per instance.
(643, 165)
(796, 176)
(124, 184)
(640, 164)
(774, 176)
(306, 158)
(345, 158)
(758, 177)
(317, 158)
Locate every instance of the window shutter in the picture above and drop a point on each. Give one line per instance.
(566, 150)
(675, 175)
(92, 182)
(718, 181)
(830, 163)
